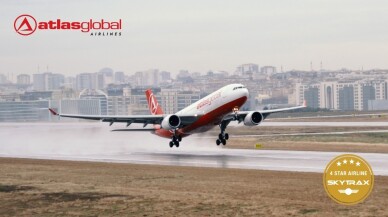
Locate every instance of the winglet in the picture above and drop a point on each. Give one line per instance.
(304, 103)
(52, 111)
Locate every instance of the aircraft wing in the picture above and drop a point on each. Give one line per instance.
(143, 119)
(240, 115)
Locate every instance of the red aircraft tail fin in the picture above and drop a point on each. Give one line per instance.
(153, 104)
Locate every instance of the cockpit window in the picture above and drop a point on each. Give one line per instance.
(239, 87)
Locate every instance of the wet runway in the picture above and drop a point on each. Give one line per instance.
(94, 142)
(326, 124)
(225, 158)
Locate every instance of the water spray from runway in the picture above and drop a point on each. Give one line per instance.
(86, 139)
(95, 142)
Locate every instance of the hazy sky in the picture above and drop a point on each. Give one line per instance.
(199, 35)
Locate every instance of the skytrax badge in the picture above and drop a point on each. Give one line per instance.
(348, 179)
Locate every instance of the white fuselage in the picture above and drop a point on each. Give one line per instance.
(215, 100)
(210, 110)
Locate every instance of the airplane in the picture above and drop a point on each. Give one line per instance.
(216, 109)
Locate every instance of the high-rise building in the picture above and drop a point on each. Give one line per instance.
(247, 70)
(346, 98)
(119, 77)
(119, 105)
(55, 81)
(92, 94)
(136, 103)
(186, 98)
(268, 70)
(81, 106)
(23, 79)
(343, 95)
(380, 104)
(24, 111)
(3, 79)
(174, 100)
(47, 81)
(108, 75)
(90, 81)
(149, 78)
(169, 101)
(70, 82)
(39, 82)
(311, 95)
(165, 76)
(84, 81)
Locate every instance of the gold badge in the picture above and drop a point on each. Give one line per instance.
(348, 179)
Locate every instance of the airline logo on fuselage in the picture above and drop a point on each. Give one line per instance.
(209, 100)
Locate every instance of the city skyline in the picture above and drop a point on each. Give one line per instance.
(13, 76)
(114, 93)
(200, 36)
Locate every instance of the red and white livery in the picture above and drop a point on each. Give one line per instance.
(217, 109)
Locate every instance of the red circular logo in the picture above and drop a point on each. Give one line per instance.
(25, 24)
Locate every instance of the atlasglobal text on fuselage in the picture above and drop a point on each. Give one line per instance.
(217, 109)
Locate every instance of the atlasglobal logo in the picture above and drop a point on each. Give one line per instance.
(26, 25)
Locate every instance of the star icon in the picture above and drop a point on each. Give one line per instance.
(345, 161)
(338, 163)
(351, 161)
(358, 163)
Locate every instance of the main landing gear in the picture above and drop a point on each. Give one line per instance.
(175, 141)
(222, 137)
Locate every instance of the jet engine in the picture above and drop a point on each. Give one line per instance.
(171, 122)
(253, 118)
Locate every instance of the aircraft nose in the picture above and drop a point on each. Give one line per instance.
(244, 92)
